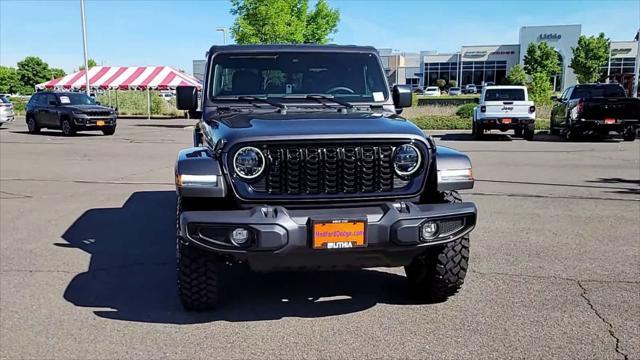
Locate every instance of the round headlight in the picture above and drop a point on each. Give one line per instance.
(406, 160)
(248, 162)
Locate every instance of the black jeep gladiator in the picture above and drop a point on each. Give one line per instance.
(595, 108)
(300, 161)
(69, 112)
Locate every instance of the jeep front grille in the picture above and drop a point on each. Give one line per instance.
(328, 170)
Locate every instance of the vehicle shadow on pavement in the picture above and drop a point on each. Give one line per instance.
(57, 133)
(131, 274)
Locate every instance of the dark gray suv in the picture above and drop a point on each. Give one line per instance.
(301, 161)
(69, 112)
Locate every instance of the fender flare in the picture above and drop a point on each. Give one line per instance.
(454, 170)
(199, 174)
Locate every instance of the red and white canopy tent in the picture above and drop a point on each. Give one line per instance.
(124, 78)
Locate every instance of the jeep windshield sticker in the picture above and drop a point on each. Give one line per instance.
(65, 100)
(378, 96)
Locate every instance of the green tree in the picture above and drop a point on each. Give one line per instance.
(9, 80)
(32, 71)
(540, 89)
(541, 58)
(57, 73)
(452, 83)
(516, 76)
(282, 21)
(440, 83)
(90, 62)
(591, 54)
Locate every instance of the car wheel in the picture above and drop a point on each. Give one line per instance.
(629, 134)
(529, 131)
(197, 271)
(477, 130)
(571, 134)
(517, 132)
(32, 125)
(109, 131)
(439, 272)
(67, 128)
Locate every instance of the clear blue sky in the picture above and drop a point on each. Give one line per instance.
(164, 32)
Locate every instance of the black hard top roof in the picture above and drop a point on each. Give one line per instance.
(291, 48)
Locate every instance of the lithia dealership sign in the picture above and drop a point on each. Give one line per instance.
(549, 37)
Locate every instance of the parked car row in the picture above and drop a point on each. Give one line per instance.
(587, 108)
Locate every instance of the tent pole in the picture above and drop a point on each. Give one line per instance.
(116, 99)
(148, 104)
(109, 97)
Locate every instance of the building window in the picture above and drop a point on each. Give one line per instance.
(434, 71)
(625, 65)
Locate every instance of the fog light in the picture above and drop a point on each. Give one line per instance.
(429, 230)
(240, 236)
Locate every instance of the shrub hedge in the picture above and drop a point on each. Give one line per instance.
(466, 110)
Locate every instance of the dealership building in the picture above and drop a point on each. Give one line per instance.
(478, 64)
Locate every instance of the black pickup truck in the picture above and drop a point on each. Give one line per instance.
(300, 161)
(596, 108)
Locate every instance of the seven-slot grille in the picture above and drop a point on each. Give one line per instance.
(98, 113)
(328, 169)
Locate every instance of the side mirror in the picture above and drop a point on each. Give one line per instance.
(476, 100)
(402, 96)
(554, 98)
(187, 98)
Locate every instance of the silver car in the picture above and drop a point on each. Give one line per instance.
(454, 91)
(6, 110)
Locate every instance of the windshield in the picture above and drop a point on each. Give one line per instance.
(432, 89)
(348, 76)
(4, 100)
(454, 89)
(504, 95)
(76, 99)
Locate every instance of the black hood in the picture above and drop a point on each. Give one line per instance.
(275, 126)
(87, 108)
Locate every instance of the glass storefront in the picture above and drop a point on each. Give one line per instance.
(625, 65)
(480, 72)
(442, 70)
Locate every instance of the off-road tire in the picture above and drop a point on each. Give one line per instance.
(517, 132)
(197, 271)
(529, 132)
(477, 130)
(629, 134)
(67, 127)
(109, 131)
(32, 125)
(572, 134)
(439, 272)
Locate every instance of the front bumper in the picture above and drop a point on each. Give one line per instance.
(7, 117)
(87, 123)
(281, 237)
(501, 124)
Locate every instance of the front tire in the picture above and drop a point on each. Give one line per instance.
(67, 127)
(197, 270)
(477, 130)
(439, 272)
(109, 131)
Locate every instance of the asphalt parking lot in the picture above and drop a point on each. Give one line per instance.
(87, 261)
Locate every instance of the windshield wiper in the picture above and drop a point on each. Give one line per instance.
(251, 99)
(321, 99)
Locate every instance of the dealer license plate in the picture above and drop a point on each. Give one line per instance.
(506, 121)
(100, 122)
(339, 234)
(609, 121)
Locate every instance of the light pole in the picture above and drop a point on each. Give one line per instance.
(84, 45)
(635, 81)
(224, 35)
